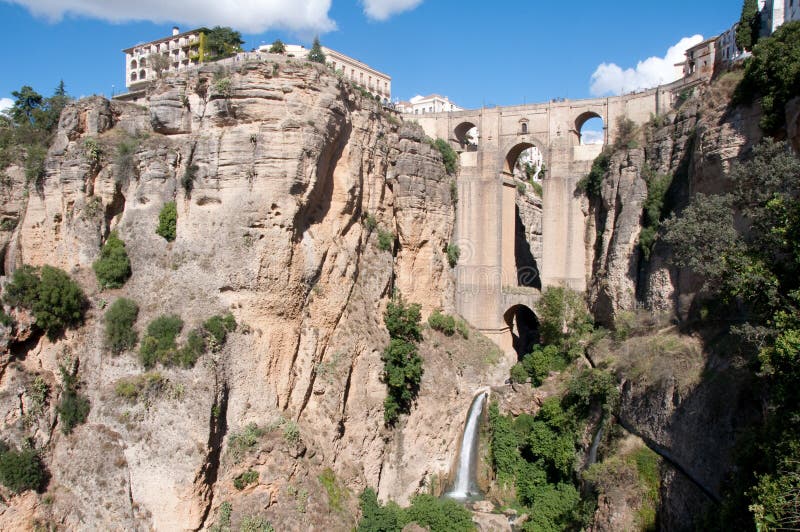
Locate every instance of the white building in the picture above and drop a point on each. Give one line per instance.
(372, 80)
(182, 51)
(433, 103)
(727, 52)
(772, 15)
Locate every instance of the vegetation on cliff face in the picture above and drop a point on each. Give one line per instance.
(402, 371)
(752, 273)
(772, 75)
(57, 302)
(27, 130)
(437, 515)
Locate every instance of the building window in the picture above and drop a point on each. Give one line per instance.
(133, 64)
(143, 74)
(524, 128)
(143, 62)
(133, 76)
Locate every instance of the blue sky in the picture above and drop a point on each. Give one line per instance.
(477, 53)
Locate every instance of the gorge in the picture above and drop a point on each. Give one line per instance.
(289, 306)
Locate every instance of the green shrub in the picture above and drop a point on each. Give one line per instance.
(255, 523)
(277, 47)
(370, 223)
(436, 515)
(462, 328)
(119, 320)
(147, 385)
(562, 313)
(73, 409)
(241, 442)
(592, 184)
(291, 432)
(402, 370)
(187, 356)
(654, 209)
(158, 345)
(5, 319)
(519, 374)
(449, 156)
(168, 221)
(537, 188)
(385, 240)
(57, 302)
(218, 328)
(402, 320)
(453, 254)
(22, 470)
(442, 322)
(336, 492)
(113, 267)
(245, 479)
(402, 374)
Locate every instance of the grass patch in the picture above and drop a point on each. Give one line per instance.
(245, 479)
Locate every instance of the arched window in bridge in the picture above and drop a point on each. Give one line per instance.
(524, 128)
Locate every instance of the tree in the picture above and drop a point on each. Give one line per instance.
(26, 102)
(773, 75)
(749, 26)
(316, 55)
(277, 47)
(159, 63)
(223, 41)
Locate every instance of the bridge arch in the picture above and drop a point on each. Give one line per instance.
(466, 133)
(523, 325)
(514, 150)
(589, 119)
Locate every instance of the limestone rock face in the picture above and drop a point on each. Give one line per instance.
(696, 145)
(274, 168)
(615, 263)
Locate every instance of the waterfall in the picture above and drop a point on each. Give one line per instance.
(592, 458)
(464, 485)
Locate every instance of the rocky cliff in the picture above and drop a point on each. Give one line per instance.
(283, 175)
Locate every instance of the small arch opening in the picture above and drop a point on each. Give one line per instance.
(524, 128)
(133, 76)
(590, 128)
(133, 64)
(467, 136)
(526, 162)
(143, 74)
(524, 328)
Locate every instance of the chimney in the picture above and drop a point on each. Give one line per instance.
(175, 30)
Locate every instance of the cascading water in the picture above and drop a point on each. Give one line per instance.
(465, 484)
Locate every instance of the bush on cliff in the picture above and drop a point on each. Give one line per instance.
(113, 267)
(119, 320)
(158, 345)
(434, 514)
(57, 302)
(402, 369)
(168, 221)
(21, 470)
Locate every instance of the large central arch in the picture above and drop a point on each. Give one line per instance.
(523, 325)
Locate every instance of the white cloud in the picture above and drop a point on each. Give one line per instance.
(609, 78)
(250, 16)
(6, 104)
(592, 137)
(383, 9)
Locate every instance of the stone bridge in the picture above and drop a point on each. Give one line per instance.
(488, 291)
